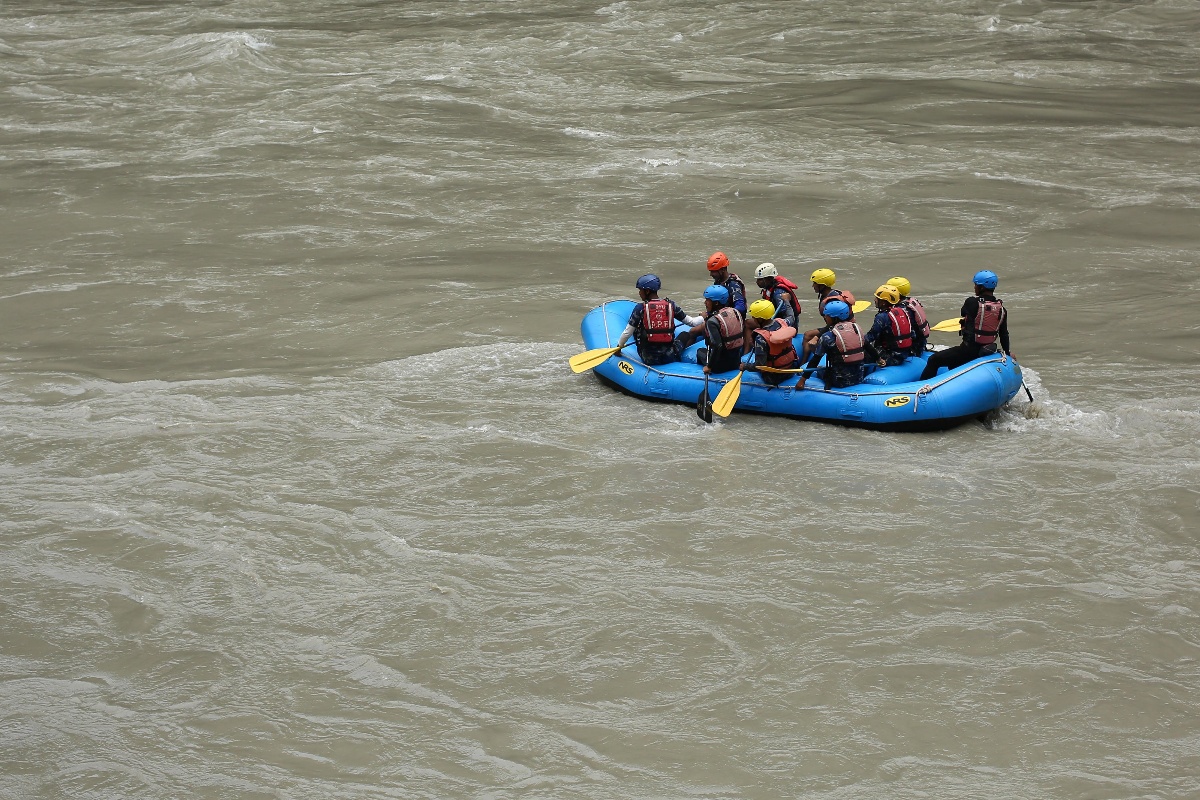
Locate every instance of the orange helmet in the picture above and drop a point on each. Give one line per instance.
(717, 260)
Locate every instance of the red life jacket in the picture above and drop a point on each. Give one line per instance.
(988, 320)
(730, 326)
(849, 340)
(916, 313)
(781, 353)
(901, 328)
(836, 294)
(783, 283)
(658, 318)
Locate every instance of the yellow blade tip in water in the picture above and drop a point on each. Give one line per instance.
(728, 397)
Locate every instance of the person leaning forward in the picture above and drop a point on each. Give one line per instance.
(780, 291)
(916, 314)
(984, 322)
(842, 346)
(652, 324)
(724, 330)
(890, 339)
(718, 270)
(822, 283)
(772, 345)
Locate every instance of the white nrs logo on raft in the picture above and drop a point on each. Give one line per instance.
(897, 401)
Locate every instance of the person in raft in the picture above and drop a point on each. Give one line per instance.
(772, 345)
(916, 314)
(724, 329)
(822, 283)
(842, 346)
(984, 322)
(652, 324)
(718, 270)
(780, 291)
(890, 338)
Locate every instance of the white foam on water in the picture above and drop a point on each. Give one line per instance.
(583, 133)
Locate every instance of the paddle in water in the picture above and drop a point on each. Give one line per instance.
(728, 397)
(704, 408)
(955, 324)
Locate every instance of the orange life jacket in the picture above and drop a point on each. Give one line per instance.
(781, 353)
(836, 294)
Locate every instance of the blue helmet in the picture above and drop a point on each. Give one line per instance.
(718, 294)
(837, 309)
(649, 281)
(986, 278)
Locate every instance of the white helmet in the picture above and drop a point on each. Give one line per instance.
(766, 270)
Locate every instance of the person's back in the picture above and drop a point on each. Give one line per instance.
(773, 346)
(780, 291)
(718, 270)
(652, 324)
(916, 314)
(842, 346)
(890, 338)
(724, 330)
(984, 324)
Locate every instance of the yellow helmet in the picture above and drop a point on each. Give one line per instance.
(889, 293)
(902, 285)
(825, 277)
(762, 309)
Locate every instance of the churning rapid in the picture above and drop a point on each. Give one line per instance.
(301, 500)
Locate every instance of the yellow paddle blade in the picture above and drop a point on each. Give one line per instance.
(728, 397)
(947, 325)
(862, 305)
(591, 359)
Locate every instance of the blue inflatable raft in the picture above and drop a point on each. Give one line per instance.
(889, 399)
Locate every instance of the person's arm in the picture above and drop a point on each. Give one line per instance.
(811, 366)
(632, 326)
(758, 352)
(783, 308)
(1004, 334)
(737, 293)
(880, 325)
(686, 319)
(970, 308)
